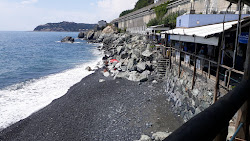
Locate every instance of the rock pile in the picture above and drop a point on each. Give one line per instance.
(136, 60)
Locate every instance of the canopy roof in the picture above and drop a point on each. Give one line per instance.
(202, 31)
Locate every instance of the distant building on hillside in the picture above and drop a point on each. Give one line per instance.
(155, 1)
(102, 23)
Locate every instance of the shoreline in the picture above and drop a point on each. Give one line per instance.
(117, 110)
(26, 98)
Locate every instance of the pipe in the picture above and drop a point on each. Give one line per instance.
(241, 124)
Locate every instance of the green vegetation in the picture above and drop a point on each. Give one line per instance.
(122, 30)
(169, 20)
(139, 4)
(161, 10)
(152, 46)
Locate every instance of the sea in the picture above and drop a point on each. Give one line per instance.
(36, 68)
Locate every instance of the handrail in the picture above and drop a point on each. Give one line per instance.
(210, 62)
(208, 124)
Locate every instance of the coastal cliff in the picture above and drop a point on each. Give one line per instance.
(65, 26)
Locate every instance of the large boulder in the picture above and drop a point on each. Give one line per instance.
(68, 39)
(141, 66)
(97, 34)
(81, 35)
(147, 53)
(108, 30)
(90, 35)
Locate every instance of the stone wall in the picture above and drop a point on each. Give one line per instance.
(185, 101)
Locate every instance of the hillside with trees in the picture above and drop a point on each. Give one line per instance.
(64, 26)
(139, 4)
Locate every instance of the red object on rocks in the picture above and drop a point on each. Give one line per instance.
(113, 60)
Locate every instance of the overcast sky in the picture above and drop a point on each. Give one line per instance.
(25, 15)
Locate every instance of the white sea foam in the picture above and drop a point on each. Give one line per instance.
(21, 100)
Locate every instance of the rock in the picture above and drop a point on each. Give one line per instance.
(88, 68)
(147, 53)
(195, 92)
(130, 64)
(145, 138)
(68, 39)
(97, 34)
(143, 77)
(90, 35)
(197, 111)
(124, 55)
(101, 80)
(81, 35)
(154, 82)
(141, 66)
(160, 136)
(106, 74)
(133, 76)
(123, 68)
(120, 49)
(108, 30)
(121, 75)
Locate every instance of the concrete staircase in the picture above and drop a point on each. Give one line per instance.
(162, 66)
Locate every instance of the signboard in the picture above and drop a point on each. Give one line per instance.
(244, 37)
(163, 36)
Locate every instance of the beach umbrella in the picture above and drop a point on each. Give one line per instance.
(113, 60)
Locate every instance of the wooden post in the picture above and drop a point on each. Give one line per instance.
(180, 60)
(217, 73)
(243, 113)
(170, 58)
(209, 69)
(194, 74)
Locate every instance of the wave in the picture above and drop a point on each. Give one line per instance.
(21, 100)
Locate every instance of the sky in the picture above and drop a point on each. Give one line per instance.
(25, 15)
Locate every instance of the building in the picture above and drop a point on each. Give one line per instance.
(194, 20)
(102, 23)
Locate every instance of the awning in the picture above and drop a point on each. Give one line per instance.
(202, 31)
(157, 28)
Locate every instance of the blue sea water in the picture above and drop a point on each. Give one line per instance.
(36, 68)
(29, 55)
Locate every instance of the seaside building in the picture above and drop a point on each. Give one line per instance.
(102, 23)
(136, 22)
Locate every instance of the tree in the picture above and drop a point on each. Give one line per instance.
(139, 4)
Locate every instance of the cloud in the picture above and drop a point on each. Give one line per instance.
(111, 9)
(29, 1)
(26, 16)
